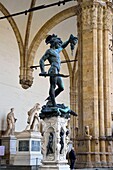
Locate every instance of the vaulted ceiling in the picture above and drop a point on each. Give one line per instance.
(31, 29)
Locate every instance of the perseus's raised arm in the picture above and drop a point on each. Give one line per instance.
(65, 44)
(71, 39)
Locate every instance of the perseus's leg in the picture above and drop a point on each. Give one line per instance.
(60, 86)
(55, 93)
(53, 81)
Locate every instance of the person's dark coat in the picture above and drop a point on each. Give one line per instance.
(72, 157)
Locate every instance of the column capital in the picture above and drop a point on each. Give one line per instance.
(107, 17)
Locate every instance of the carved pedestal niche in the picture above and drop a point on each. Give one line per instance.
(10, 149)
(55, 142)
(28, 148)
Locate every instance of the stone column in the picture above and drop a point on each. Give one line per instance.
(107, 64)
(88, 77)
(88, 73)
(107, 78)
(74, 107)
(94, 79)
(100, 86)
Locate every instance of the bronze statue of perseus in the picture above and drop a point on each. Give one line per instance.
(53, 56)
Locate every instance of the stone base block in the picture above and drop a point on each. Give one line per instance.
(10, 149)
(54, 167)
(18, 167)
(28, 148)
(28, 159)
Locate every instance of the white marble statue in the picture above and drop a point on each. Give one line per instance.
(33, 118)
(10, 123)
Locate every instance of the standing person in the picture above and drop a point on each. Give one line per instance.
(10, 123)
(52, 55)
(72, 158)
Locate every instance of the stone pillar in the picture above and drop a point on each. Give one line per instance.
(54, 156)
(74, 107)
(10, 149)
(107, 60)
(100, 86)
(107, 67)
(88, 73)
(94, 80)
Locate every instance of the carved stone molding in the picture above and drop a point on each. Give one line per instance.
(100, 17)
(26, 78)
(26, 83)
(86, 18)
(107, 18)
(93, 13)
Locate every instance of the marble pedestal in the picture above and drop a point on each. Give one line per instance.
(10, 149)
(55, 159)
(28, 148)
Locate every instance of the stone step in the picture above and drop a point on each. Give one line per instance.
(18, 167)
